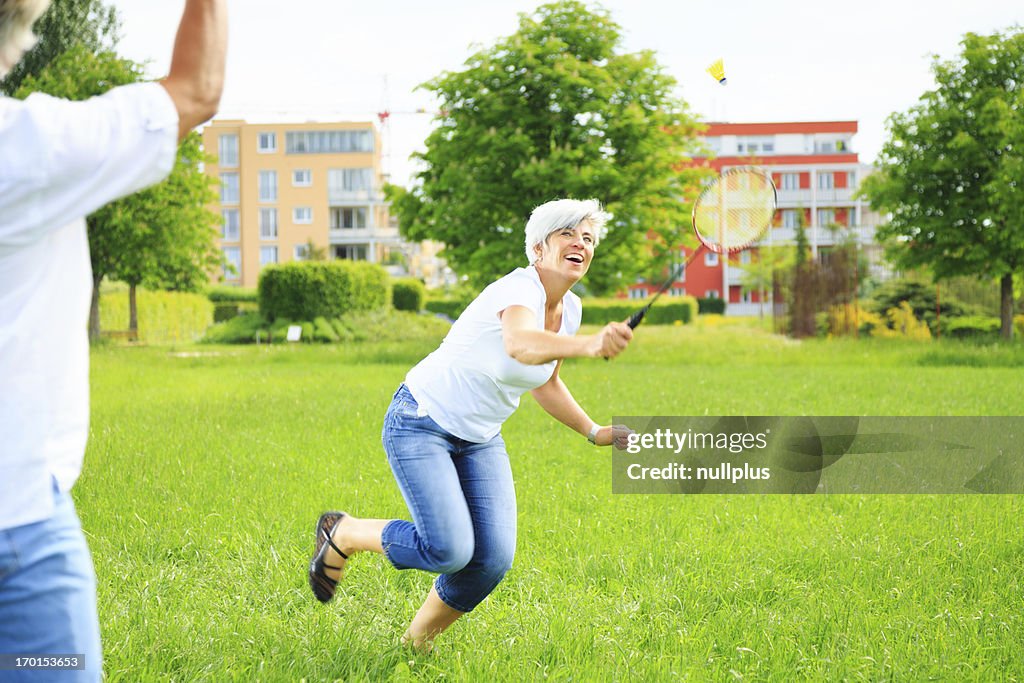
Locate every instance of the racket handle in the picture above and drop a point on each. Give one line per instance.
(635, 319)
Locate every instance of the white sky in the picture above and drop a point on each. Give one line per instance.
(786, 60)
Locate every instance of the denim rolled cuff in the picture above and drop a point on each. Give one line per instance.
(386, 545)
(443, 594)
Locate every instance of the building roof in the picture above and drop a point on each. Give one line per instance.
(781, 127)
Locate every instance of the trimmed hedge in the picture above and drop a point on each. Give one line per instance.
(164, 317)
(235, 295)
(711, 305)
(666, 312)
(408, 294)
(366, 326)
(452, 308)
(307, 290)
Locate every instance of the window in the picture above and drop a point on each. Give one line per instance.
(826, 217)
(302, 215)
(328, 142)
(228, 188)
(350, 217)
(352, 253)
(746, 297)
(302, 177)
(745, 258)
(826, 181)
(790, 181)
(230, 232)
(268, 255)
(227, 151)
(638, 293)
(824, 146)
(755, 145)
(790, 218)
(268, 186)
(342, 182)
(266, 142)
(851, 179)
(677, 291)
(851, 216)
(711, 294)
(710, 259)
(233, 265)
(268, 224)
(301, 252)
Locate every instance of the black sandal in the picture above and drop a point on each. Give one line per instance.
(323, 586)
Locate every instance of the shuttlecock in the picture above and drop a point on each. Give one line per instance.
(717, 70)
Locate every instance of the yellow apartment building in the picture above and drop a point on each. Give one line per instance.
(284, 185)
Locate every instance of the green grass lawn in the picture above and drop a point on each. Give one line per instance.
(206, 473)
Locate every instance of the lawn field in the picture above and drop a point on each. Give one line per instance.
(207, 467)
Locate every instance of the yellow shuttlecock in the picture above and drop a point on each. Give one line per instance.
(717, 70)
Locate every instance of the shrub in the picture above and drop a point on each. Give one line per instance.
(241, 329)
(164, 317)
(1018, 326)
(408, 294)
(665, 312)
(711, 305)
(972, 326)
(903, 323)
(236, 295)
(920, 296)
(323, 331)
(851, 319)
(371, 326)
(310, 289)
(452, 308)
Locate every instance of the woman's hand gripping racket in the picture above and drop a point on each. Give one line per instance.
(731, 214)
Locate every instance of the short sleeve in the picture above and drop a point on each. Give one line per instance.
(61, 160)
(516, 289)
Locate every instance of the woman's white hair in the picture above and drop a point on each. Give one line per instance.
(16, 37)
(560, 214)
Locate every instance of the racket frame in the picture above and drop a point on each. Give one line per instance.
(718, 248)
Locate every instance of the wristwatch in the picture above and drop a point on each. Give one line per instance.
(592, 436)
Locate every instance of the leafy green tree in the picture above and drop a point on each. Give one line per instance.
(764, 269)
(163, 236)
(554, 110)
(952, 168)
(92, 24)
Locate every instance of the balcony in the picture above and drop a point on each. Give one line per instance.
(865, 234)
(364, 196)
(374, 233)
(792, 198)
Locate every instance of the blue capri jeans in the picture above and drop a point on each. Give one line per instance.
(462, 501)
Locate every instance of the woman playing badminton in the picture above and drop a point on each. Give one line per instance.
(442, 431)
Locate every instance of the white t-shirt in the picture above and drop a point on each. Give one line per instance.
(470, 385)
(60, 161)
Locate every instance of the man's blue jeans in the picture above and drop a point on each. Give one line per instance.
(462, 501)
(48, 595)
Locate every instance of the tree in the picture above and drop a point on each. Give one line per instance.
(803, 286)
(761, 274)
(951, 169)
(553, 111)
(89, 23)
(163, 236)
(315, 252)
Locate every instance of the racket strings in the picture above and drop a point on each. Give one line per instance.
(735, 212)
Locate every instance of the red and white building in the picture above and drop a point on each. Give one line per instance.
(816, 172)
